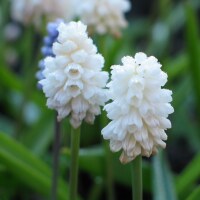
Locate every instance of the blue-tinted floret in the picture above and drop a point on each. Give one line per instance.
(46, 50)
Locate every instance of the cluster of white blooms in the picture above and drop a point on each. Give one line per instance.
(104, 15)
(32, 11)
(26, 11)
(139, 109)
(73, 81)
(65, 9)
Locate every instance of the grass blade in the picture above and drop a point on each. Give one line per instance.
(162, 183)
(27, 167)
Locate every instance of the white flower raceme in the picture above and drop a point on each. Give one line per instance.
(65, 9)
(74, 83)
(32, 11)
(104, 15)
(139, 109)
(26, 11)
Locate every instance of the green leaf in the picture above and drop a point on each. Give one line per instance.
(195, 194)
(163, 187)
(9, 79)
(6, 125)
(13, 82)
(176, 68)
(95, 156)
(181, 91)
(28, 168)
(189, 176)
(192, 39)
(39, 137)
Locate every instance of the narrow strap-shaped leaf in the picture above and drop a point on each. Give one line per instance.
(163, 187)
(190, 175)
(28, 168)
(95, 156)
(195, 194)
(193, 48)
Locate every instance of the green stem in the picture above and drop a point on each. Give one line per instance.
(56, 150)
(102, 43)
(73, 183)
(137, 178)
(109, 164)
(109, 173)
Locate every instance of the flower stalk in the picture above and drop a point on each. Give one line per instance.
(109, 164)
(136, 168)
(109, 172)
(56, 150)
(73, 183)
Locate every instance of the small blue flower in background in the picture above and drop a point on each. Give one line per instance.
(47, 47)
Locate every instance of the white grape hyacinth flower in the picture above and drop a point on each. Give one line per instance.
(139, 107)
(27, 11)
(32, 11)
(74, 82)
(104, 16)
(65, 9)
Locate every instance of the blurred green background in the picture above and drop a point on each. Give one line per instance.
(167, 29)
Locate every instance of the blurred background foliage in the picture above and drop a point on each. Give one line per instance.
(164, 28)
